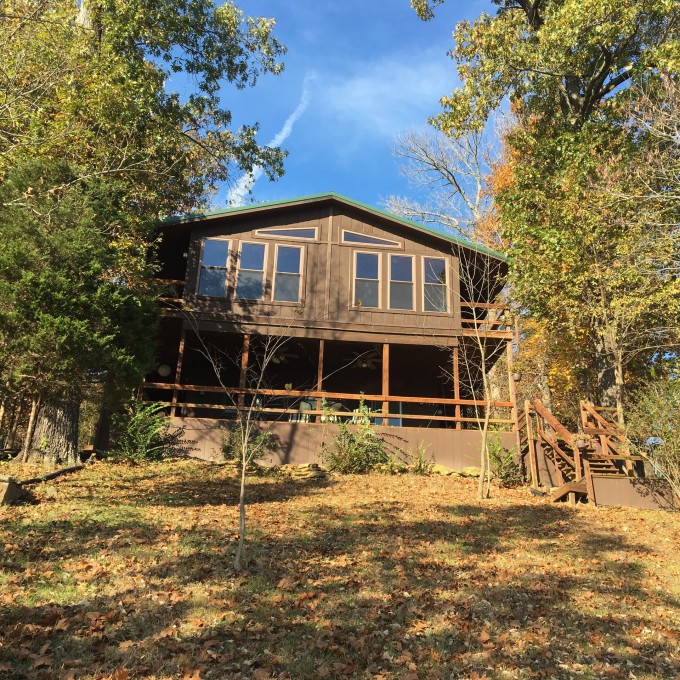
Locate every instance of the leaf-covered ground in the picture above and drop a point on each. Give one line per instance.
(125, 572)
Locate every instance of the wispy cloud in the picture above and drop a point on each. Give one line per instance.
(244, 184)
(382, 98)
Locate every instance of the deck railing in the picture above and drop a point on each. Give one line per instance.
(220, 402)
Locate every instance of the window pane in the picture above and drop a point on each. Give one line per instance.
(435, 298)
(252, 256)
(435, 270)
(212, 282)
(353, 237)
(289, 233)
(287, 288)
(401, 268)
(367, 266)
(366, 293)
(215, 252)
(401, 295)
(288, 259)
(249, 286)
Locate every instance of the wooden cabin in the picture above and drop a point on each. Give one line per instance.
(307, 309)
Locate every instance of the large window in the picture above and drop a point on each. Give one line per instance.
(250, 279)
(367, 280)
(212, 279)
(434, 284)
(401, 282)
(287, 273)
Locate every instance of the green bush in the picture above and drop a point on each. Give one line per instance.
(259, 443)
(356, 451)
(504, 468)
(654, 427)
(144, 434)
(420, 465)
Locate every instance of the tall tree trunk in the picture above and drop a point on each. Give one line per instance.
(55, 438)
(605, 366)
(30, 429)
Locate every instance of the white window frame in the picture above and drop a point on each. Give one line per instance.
(300, 273)
(201, 266)
(354, 278)
(264, 271)
(413, 284)
(389, 244)
(447, 288)
(264, 233)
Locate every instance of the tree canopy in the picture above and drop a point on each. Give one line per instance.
(96, 145)
(585, 191)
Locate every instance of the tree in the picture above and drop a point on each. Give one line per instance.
(560, 58)
(451, 173)
(72, 310)
(590, 255)
(84, 100)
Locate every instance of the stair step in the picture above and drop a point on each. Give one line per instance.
(570, 487)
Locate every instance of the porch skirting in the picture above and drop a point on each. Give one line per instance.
(297, 443)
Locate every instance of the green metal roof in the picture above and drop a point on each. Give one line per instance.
(343, 199)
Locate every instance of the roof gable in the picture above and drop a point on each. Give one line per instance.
(333, 197)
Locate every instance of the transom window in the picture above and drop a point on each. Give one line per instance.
(434, 284)
(401, 282)
(366, 280)
(250, 279)
(293, 233)
(212, 279)
(356, 237)
(287, 273)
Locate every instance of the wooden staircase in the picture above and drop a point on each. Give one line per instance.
(601, 449)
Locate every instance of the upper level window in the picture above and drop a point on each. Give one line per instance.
(356, 237)
(212, 279)
(434, 284)
(250, 279)
(401, 282)
(366, 280)
(293, 233)
(287, 273)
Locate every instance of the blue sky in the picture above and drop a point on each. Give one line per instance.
(357, 73)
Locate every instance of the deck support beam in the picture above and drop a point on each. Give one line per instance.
(385, 382)
(456, 384)
(319, 377)
(178, 372)
(243, 374)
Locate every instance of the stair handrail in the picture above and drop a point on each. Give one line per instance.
(560, 430)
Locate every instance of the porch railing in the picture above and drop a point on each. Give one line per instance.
(227, 402)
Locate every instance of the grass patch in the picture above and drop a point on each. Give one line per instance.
(129, 568)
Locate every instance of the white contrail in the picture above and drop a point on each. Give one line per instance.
(245, 183)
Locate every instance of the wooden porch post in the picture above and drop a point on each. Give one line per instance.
(385, 383)
(242, 380)
(456, 385)
(178, 373)
(319, 377)
(513, 396)
(533, 459)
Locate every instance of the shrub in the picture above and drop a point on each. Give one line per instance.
(420, 465)
(258, 444)
(654, 428)
(358, 450)
(144, 434)
(504, 468)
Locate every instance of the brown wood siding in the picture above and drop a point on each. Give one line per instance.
(328, 275)
(297, 443)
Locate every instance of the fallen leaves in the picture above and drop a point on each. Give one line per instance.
(377, 577)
